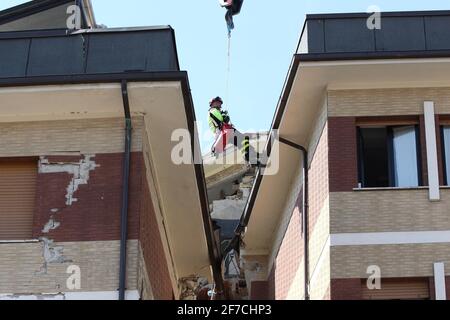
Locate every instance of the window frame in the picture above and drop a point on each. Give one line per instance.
(390, 125)
(443, 157)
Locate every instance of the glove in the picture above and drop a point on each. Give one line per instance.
(226, 117)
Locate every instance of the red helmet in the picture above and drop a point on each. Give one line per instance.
(216, 99)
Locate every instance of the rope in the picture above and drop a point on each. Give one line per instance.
(227, 87)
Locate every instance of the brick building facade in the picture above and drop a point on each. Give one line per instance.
(372, 112)
(63, 164)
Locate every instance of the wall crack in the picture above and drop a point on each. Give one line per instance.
(80, 172)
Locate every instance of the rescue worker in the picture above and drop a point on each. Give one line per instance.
(219, 123)
(233, 8)
(217, 117)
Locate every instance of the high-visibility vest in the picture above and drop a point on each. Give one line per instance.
(214, 116)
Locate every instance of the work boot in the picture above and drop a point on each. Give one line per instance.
(229, 20)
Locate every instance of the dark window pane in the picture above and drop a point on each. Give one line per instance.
(446, 142)
(374, 159)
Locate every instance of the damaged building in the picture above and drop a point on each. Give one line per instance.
(229, 181)
(94, 207)
(91, 205)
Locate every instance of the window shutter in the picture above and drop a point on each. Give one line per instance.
(399, 289)
(17, 199)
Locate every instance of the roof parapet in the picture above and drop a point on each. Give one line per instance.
(350, 36)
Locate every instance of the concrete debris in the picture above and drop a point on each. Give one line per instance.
(194, 288)
(232, 207)
(227, 213)
(228, 209)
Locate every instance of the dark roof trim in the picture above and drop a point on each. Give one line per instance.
(124, 29)
(384, 14)
(182, 77)
(177, 58)
(29, 8)
(64, 32)
(286, 92)
(95, 78)
(34, 34)
(373, 55)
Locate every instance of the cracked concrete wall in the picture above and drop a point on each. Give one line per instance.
(21, 266)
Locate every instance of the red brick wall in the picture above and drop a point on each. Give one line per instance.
(447, 287)
(288, 259)
(290, 255)
(343, 157)
(259, 290)
(152, 248)
(345, 289)
(432, 292)
(96, 214)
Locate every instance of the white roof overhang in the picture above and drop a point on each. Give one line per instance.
(302, 98)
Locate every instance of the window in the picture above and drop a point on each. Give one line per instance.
(17, 198)
(389, 156)
(398, 289)
(445, 130)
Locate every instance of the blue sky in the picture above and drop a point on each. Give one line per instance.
(262, 45)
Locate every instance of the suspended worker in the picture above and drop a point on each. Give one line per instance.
(225, 133)
(233, 8)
